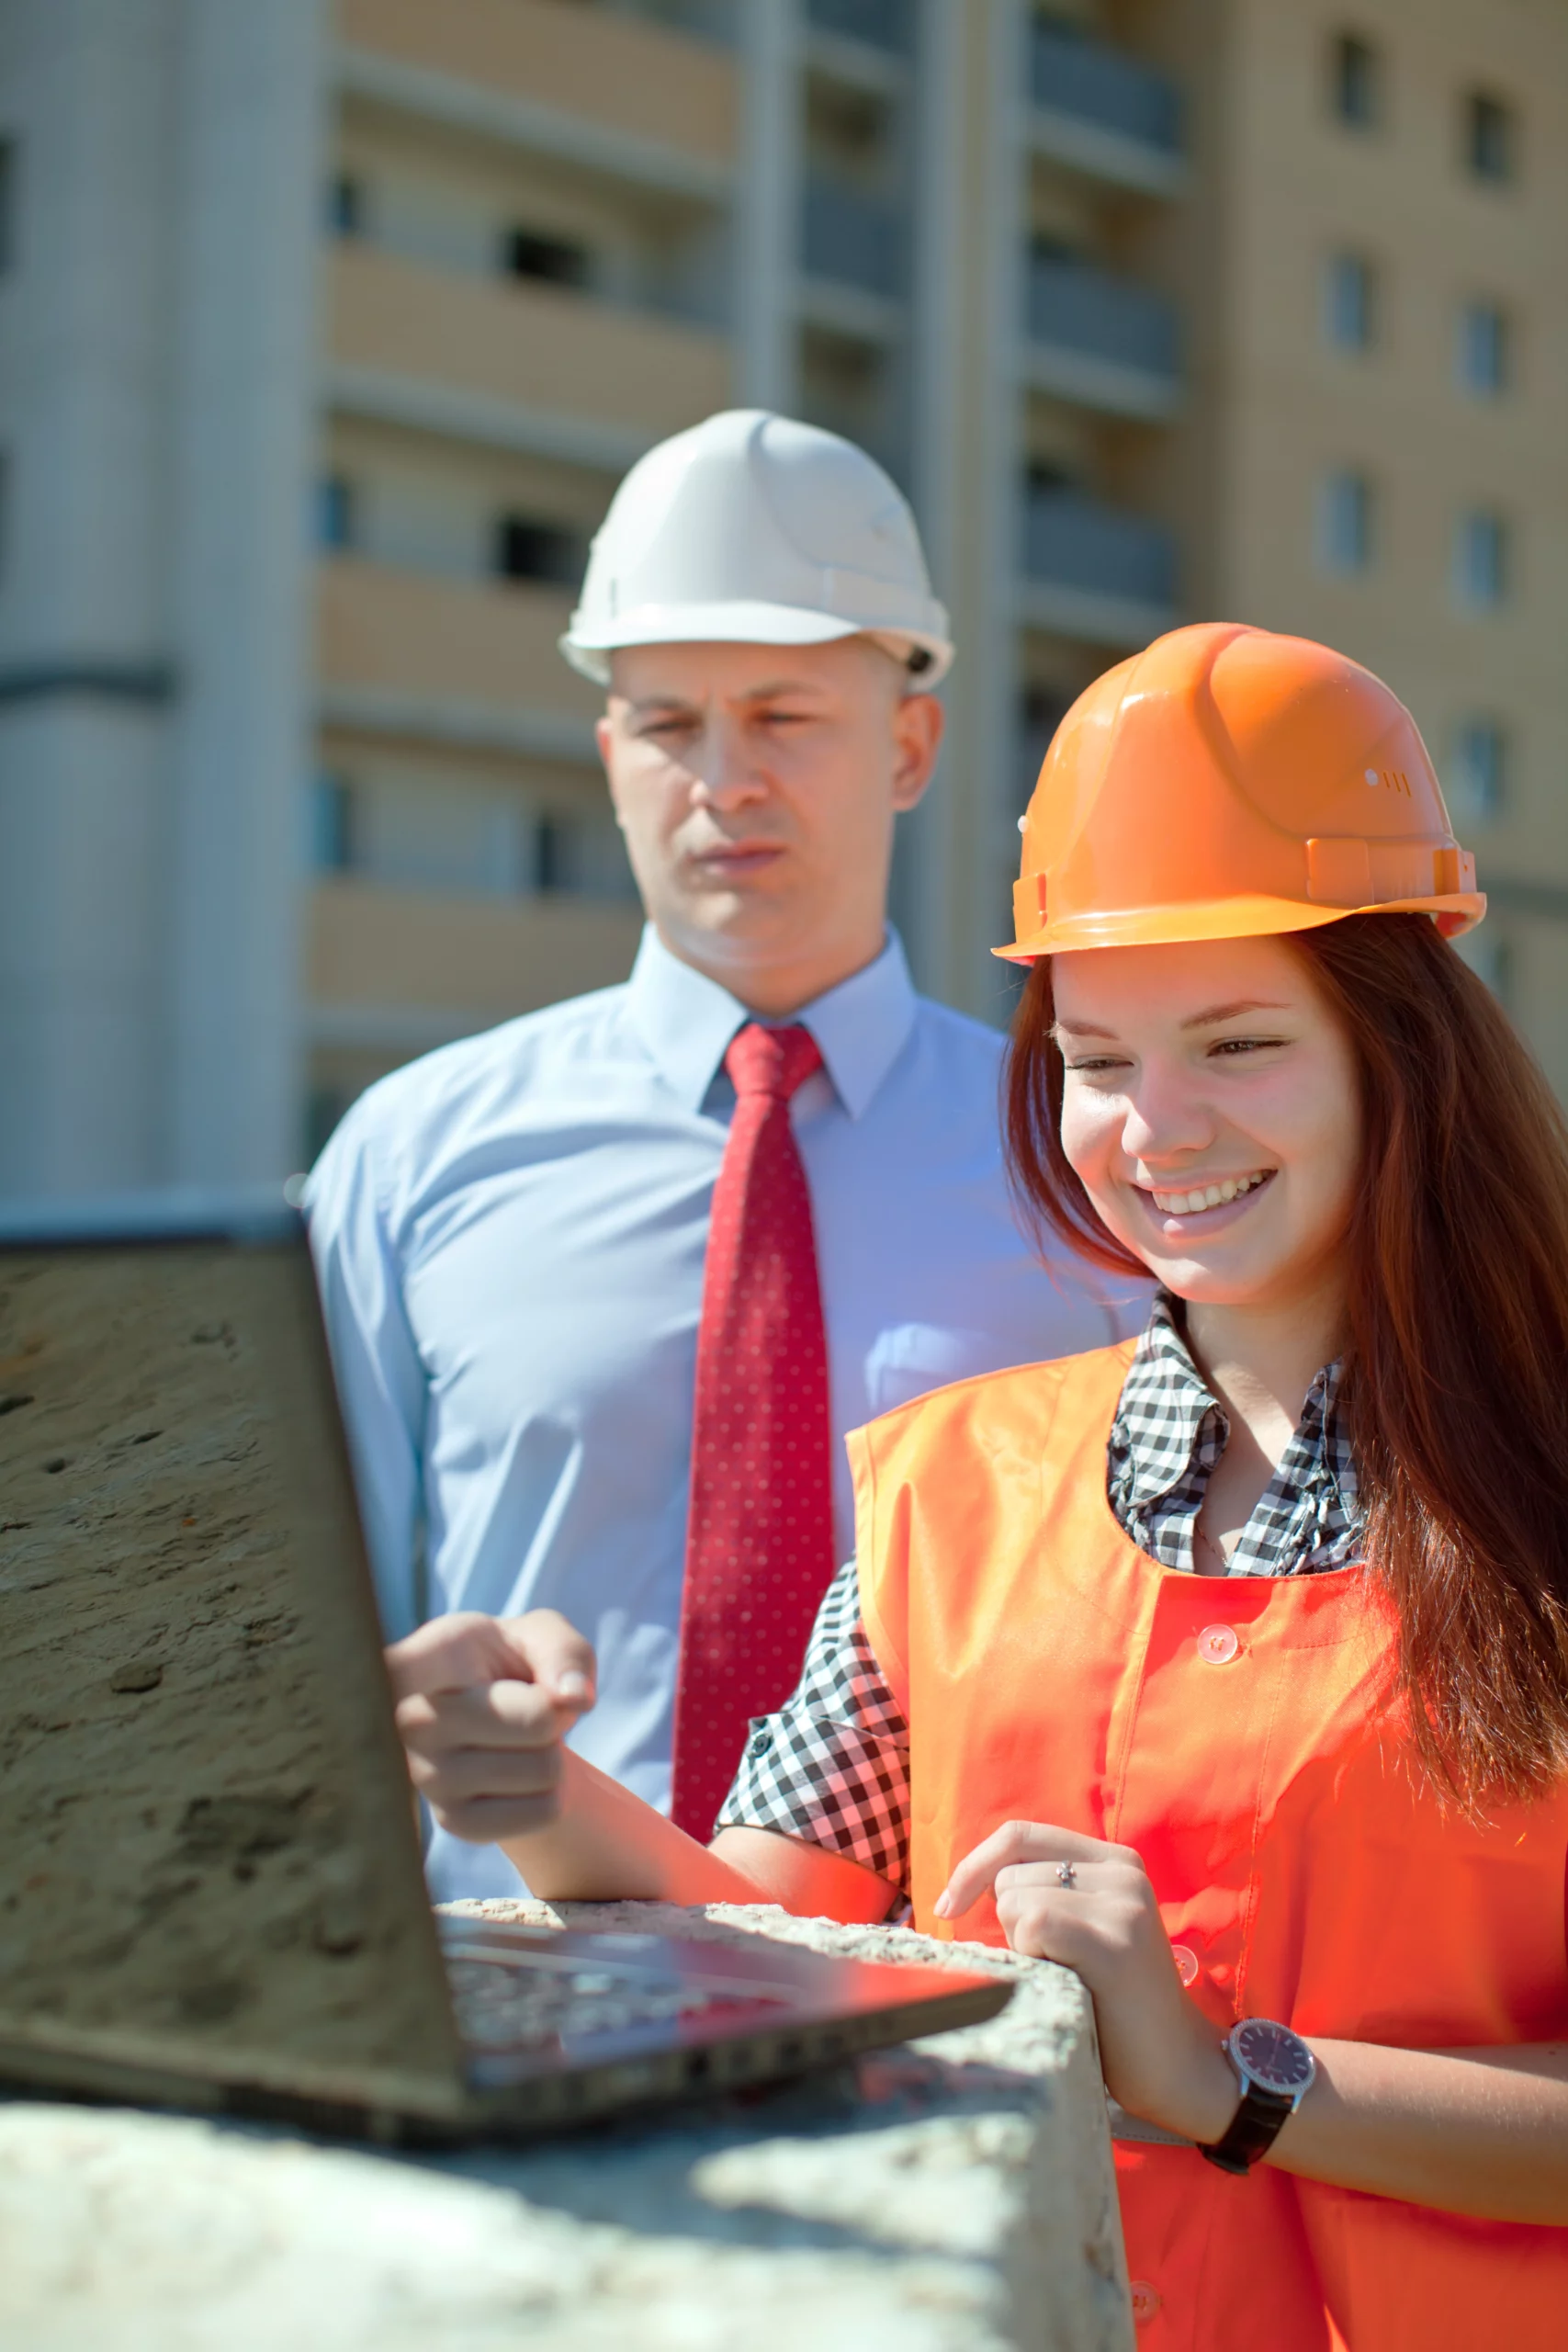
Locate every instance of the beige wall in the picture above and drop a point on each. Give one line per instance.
(611, 69)
(468, 956)
(540, 348)
(447, 640)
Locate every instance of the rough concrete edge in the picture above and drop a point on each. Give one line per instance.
(1086, 2231)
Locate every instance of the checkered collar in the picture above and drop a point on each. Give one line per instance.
(1170, 1429)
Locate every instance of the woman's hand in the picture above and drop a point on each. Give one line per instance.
(1090, 1905)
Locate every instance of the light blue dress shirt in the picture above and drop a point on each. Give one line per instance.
(509, 1235)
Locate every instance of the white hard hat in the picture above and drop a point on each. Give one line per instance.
(751, 528)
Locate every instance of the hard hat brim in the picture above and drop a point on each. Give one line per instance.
(1239, 918)
(588, 649)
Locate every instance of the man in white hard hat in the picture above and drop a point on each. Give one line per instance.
(607, 1284)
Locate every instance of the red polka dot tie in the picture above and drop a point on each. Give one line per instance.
(760, 1534)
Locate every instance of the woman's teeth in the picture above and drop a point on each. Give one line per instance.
(1210, 1196)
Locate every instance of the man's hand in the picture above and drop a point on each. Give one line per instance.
(1162, 2058)
(483, 1704)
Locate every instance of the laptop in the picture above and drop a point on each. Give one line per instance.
(211, 1892)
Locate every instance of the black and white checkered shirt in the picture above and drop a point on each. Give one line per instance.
(832, 1766)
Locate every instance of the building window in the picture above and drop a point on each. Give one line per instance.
(524, 548)
(1491, 138)
(1356, 82)
(333, 846)
(1346, 521)
(1483, 354)
(583, 857)
(337, 512)
(7, 206)
(558, 261)
(345, 205)
(1478, 772)
(1350, 303)
(1482, 560)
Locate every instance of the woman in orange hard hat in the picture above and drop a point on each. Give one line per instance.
(1230, 1667)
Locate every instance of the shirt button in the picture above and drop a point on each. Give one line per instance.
(1146, 2301)
(1186, 1961)
(1217, 1644)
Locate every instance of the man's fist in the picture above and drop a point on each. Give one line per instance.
(483, 1704)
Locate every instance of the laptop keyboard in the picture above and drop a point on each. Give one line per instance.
(530, 2001)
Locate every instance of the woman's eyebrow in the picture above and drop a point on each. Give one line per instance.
(1229, 1011)
(1079, 1029)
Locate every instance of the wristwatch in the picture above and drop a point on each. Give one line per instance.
(1277, 2070)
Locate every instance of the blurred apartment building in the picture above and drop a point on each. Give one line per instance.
(326, 331)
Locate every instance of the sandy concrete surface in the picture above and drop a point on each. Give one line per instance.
(192, 1849)
(952, 2196)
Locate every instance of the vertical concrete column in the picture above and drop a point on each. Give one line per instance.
(1001, 491)
(251, 101)
(85, 669)
(767, 205)
(926, 840)
(970, 443)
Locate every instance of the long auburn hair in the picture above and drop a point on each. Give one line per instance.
(1456, 1367)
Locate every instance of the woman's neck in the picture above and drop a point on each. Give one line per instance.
(1260, 1361)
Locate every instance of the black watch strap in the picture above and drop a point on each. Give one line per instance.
(1253, 2127)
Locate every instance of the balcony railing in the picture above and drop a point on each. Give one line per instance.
(883, 24)
(852, 240)
(1071, 302)
(1096, 338)
(1111, 114)
(1122, 564)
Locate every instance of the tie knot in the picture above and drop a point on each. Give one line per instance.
(772, 1061)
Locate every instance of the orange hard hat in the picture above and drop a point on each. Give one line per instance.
(1227, 782)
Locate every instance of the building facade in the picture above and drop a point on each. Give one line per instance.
(327, 328)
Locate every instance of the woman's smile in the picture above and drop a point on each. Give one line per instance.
(1205, 1201)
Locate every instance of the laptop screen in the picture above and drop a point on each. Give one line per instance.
(208, 1855)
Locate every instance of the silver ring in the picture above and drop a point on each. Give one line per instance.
(1066, 1874)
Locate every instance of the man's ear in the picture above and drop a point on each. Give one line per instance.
(918, 723)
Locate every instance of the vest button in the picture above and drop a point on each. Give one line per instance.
(1146, 2301)
(1217, 1644)
(1186, 1961)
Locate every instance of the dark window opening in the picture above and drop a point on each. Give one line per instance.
(1480, 777)
(1352, 304)
(1044, 478)
(526, 548)
(1347, 522)
(1483, 354)
(7, 204)
(556, 261)
(1356, 82)
(1483, 559)
(337, 512)
(345, 205)
(554, 865)
(1489, 137)
(333, 826)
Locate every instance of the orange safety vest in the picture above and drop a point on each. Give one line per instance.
(1240, 1736)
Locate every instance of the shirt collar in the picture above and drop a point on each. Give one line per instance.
(1168, 1417)
(687, 1020)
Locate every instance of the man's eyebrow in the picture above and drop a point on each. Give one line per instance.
(766, 692)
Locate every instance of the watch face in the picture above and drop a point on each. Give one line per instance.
(1276, 2058)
